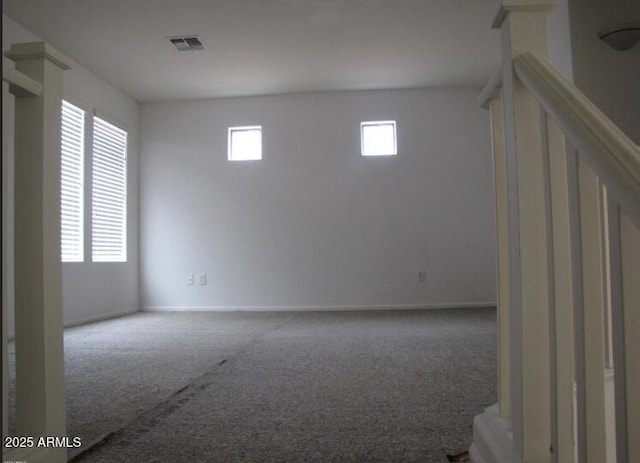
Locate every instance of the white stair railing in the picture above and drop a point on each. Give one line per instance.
(614, 157)
(605, 229)
(568, 232)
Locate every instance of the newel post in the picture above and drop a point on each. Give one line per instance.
(523, 26)
(491, 99)
(40, 404)
(502, 235)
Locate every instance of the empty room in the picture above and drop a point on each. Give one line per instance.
(318, 230)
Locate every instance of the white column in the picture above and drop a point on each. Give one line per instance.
(17, 83)
(524, 28)
(40, 405)
(492, 429)
(502, 235)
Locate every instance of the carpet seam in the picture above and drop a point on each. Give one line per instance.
(166, 407)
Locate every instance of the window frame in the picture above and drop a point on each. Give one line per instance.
(381, 123)
(231, 155)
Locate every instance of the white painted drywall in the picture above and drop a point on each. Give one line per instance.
(314, 224)
(610, 78)
(560, 39)
(91, 290)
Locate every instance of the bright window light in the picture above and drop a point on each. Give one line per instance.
(245, 143)
(378, 138)
(72, 183)
(109, 193)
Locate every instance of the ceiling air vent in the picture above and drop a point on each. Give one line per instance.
(188, 43)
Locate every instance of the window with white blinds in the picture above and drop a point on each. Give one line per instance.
(109, 193)
(72, 183)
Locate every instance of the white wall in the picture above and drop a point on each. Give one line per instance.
(314, 224)
(610, 78)
(560, 39)
(93, 290)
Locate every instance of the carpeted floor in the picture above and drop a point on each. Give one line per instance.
(379, 386)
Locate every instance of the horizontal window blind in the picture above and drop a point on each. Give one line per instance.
(109, 193)
(72, 183)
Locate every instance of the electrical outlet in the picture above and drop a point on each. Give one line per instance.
(421, 276)
(189, 279)
(202, 279)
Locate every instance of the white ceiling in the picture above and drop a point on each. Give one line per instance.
(270, 46)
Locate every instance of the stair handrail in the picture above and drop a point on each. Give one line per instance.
(613, 156)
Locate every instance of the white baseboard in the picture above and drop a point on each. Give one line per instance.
(83, 321)
(492, 438)
(326, 308)
(100, 318)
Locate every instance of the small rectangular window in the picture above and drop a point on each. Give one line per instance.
(72, 183)
(245, 143)
(378, 138)
(109, 193)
